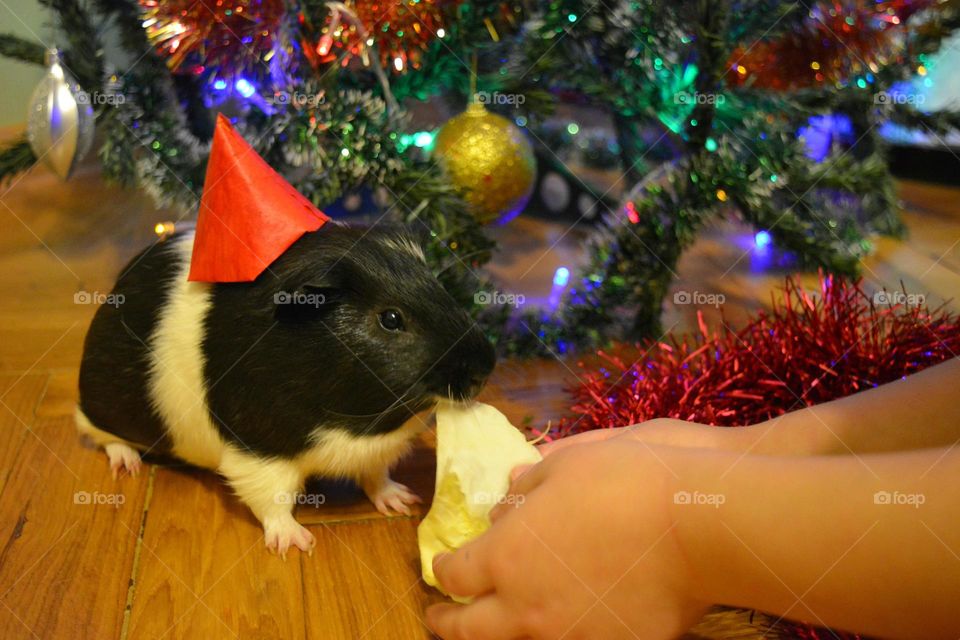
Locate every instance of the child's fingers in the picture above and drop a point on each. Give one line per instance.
(463, 572)
(524, 479)
(581, 438)
(487, 618)
(518, 471)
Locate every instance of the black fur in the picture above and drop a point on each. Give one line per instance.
(274, 372)
(115, 365)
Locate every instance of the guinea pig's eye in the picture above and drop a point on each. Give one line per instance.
(391, 320)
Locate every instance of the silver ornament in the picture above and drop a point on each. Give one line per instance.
(60, 122)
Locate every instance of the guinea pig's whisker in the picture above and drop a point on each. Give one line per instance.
(356, 415)
(401, 401)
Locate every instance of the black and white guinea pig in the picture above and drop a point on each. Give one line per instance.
(314, 368)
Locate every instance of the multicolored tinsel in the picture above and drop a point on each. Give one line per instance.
(810, 348)
(225, 38)
(400, 31)
(838, 41)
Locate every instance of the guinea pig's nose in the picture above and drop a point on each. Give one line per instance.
(478, 376)
(469, 366)
(476, 383)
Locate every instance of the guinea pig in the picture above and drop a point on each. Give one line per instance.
(313, 369)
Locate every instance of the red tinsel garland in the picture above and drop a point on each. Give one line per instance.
(228, 36)
(839, 39)
(400, 29)
(809, 349)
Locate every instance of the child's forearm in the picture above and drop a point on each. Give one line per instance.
(920, 411)
(812, 539)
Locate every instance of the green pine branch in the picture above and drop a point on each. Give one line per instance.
(17, 48)
(15, 159)
(81, 45)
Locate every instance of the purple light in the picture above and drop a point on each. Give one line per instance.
(762, 239)
(220, 84)
(825, 133)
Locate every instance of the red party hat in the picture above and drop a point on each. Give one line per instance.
(249, 215)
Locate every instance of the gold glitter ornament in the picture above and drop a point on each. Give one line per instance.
(489, 157)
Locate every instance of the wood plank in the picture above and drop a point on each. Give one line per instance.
(331, 502)
(530, 392)
(364, 582)
(903, 267)
(19, 397)
(204, 571)
(22, 348)
(68, 541)
(60, 398)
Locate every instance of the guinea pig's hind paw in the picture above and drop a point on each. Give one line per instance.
(122, 457)
(283, 532)
(393, 497)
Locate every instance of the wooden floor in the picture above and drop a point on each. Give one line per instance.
(172, 554)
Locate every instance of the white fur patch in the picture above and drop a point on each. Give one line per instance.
(404, 245)
(177, 387)
(269, 485)
(339, 454)
(266, 485)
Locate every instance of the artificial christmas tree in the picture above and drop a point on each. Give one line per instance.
(715, 91)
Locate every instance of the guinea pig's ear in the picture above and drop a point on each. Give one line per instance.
(305, 302)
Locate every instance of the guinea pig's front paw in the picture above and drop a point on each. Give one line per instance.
(122, 457)
(282, 532)
(392, 497)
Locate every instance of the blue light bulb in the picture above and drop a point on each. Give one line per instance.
(244, 87)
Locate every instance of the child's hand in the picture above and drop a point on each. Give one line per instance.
(583, 547)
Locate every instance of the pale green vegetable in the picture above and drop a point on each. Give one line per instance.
(476, 449)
